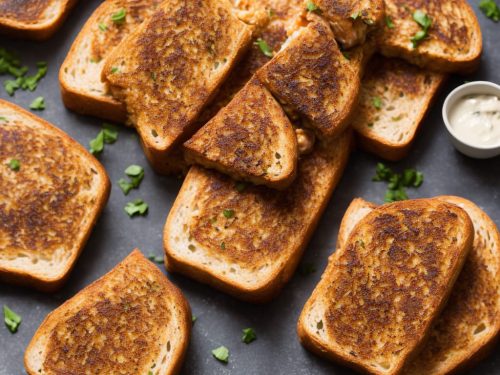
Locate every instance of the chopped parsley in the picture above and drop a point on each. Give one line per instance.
(264, 47)
(248, 335)
(355, 15)
(114, 69)
(11, 65)
(221, 354)
(136, 207)
(108, 134)
(135, 174)
(377, 102)
(11, 319)
(425, 22)
(490, 9)
(312, 7)
(4, 119)
(223, 245)
(14, 164)
(228, 214)
(119, 17)
(194, 318)
(388, 22)
(155, 258)
(102, 26)
(38, 104)
(396, 182)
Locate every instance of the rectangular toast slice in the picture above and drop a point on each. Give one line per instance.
(33, 19)
(170, 68)
(248, 240)
(250, 139)
(386, 284)
(82, 89)
(453, 41)
(132, 320)
(394, 99)
(312, 76)
(52, 191)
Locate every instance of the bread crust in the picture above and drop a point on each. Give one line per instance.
(47, 284)
(35, 31)
(134, 257)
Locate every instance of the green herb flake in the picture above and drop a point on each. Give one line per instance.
(4, 119)
(248, 335)
(135, 174)
(14, 164)
(102, 26)
(264, 47)
(38, 104)
(114, 69)
(388, 22)
(425, 22)
(97, 144)
(346, 54)
(119, 17)
(110, 133)
(312, 7)
(397, 183)
(223, 245)
(355, 15)
(319, 325)
(136, 207)
(490, 9)
(221, 354)
(11, 319)
(377, 102)
(228, 214)
(156, 259)
(194, 318)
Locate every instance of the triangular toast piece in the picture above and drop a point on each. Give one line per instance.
(351, 21)
(250, 139)
(394, 99)
(248, 240)
(132, 320)
(82, 89)
(171, 67)
(311, 75)
(386, 285)
(453, 41)
(52, 191)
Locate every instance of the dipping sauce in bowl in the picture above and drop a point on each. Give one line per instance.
(476, 119)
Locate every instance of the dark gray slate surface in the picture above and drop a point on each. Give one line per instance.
(220, 317)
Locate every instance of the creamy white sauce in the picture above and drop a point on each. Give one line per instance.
(475, 119)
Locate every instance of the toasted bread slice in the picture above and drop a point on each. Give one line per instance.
(132, 320)
(311, 75)
(34, 19)
(80, 75)
(384, 288)
(172, 65)
(50, 204)
(251, 139)
(453, 44)
(247, 241)
(351, 21)
(395, 97)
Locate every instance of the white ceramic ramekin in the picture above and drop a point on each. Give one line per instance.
(466, 148)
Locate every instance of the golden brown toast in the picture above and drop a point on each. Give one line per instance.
(394, 99)
(454, 41)
(250, 139)
(385, 286)
(132, 320)
(49, 203)
(351, 20)
(311, 75)
(80, 75)
(171, 67)
(247, 240)
(33, 19)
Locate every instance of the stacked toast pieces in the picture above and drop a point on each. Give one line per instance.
(130, 321)
(52, 193)
(35, 19)
(382, 304)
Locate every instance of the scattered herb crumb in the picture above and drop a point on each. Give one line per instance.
(38, 104)
(221, 354)
(136, 207)
(119, 17)
(396, 182)
(194, 318)
(425, 22)
(490, 9)
(155, 258)
(11, 319)
(108, 134)
(388, 22)
(248, 335)
(14, 164)
(377, 102)
(264, 47)
(312, 7)
(228, 214)
(102, 26)
(135, 174)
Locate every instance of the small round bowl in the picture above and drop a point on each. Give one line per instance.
(466, 148)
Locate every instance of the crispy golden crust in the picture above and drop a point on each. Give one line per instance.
(398, 85)
(268, 229)
(311, 75)
(34, 19)
(454, 42)
(389, 283)
(51, 204)
(116, 325)
(171, 67)
(81, 88)
(352, 20)
(250, 139)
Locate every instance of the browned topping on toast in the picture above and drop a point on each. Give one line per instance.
(22, 10)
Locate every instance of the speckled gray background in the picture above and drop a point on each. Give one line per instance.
(220, 317)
